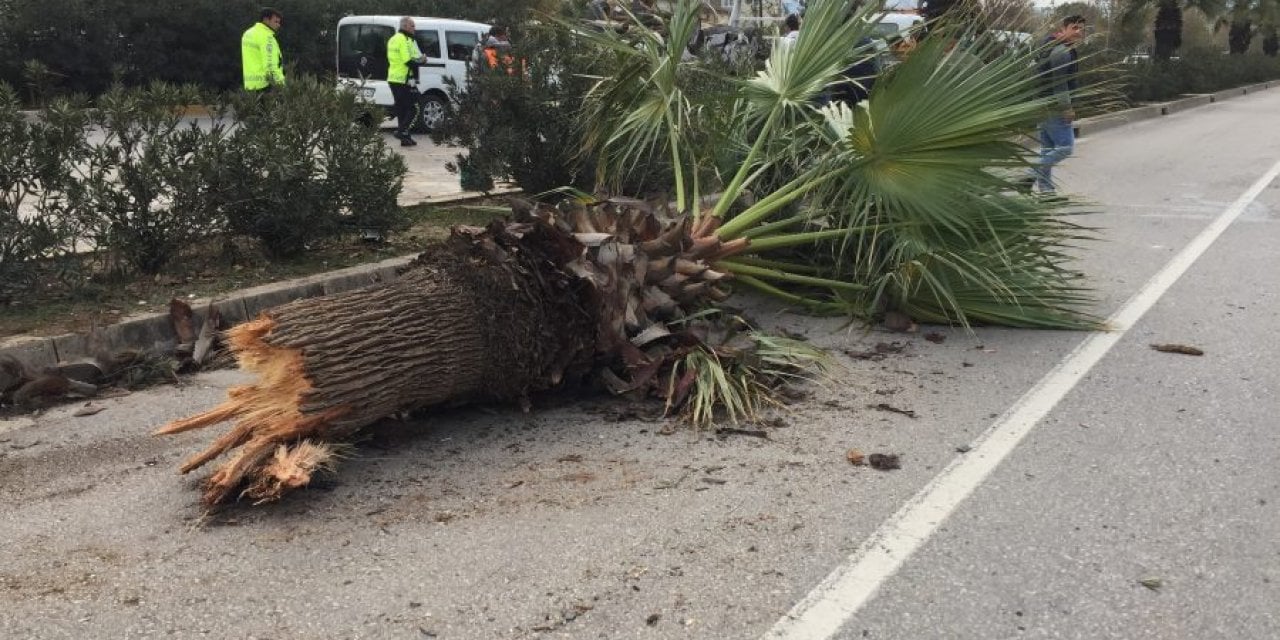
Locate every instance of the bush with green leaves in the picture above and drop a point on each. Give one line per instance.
(520, 124)
(132, 183)
(1196, 71)
(36, 157)
(144, 194)
(300, 167)
(524, 125)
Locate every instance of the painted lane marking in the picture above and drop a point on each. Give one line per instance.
(845, 590)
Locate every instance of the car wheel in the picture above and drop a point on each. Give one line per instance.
(430, 112)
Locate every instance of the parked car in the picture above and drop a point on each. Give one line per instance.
(897, 25)
(1144, 58)
(448, 45)
(1014, 39)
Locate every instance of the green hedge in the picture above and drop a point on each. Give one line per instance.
(1196, 72)
(89, 45)
(130, 184)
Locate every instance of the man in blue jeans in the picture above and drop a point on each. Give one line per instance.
(1058, 70)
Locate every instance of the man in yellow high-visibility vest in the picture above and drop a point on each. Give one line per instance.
(402, 49)
(260, 53)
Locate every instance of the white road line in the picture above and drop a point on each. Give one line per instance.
(824, 610)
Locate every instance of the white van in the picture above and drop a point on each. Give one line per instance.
(448, 45)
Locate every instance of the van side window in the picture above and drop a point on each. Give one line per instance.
(429, 42)
(461, 44)
(362, 51)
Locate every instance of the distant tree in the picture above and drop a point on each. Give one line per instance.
(1009, 15)
(1248, 18)
(1091, 12)
(1167, 29)
(88, 45)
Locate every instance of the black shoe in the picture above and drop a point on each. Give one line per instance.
(408, 142)
(1025, 185)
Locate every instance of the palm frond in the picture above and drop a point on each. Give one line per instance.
(907, 200)
(735, 383)
(642, 112)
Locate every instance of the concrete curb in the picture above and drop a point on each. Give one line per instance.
(1190, 102)
(153, 331)
(470, 195)
(1095, 124)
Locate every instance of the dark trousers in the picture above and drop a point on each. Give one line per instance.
(403, 95)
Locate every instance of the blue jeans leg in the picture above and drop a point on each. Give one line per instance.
(1057, 141)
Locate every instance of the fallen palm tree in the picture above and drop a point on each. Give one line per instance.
(495, 314)
(906, 203)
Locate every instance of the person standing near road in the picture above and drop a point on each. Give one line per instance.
(402, 50)
(792, 25)
(260, 53)
(1058, 70)
(497, 49)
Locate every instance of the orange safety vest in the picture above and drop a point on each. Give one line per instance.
(507, 61)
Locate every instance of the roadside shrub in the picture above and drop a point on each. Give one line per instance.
(36, 155)
(520, 122)
(299, 168)
(1196, 71)
(143, 193)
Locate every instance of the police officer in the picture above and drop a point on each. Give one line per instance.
(260, 53)
(402, 49)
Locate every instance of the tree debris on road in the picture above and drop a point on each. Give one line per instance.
(1178, 348)
(885, 406)
(879, 352)
(885, 461)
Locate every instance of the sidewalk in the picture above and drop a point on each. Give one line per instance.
(427, 180)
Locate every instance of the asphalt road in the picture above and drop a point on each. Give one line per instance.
(585, 521)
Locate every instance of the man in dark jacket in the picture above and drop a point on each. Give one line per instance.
(1058, 71)
(858, 77)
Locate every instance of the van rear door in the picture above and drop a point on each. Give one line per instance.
(362, 51)
(460, 46)
(431, 72)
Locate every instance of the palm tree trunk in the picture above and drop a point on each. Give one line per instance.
(487, 317)
(1168, 29)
